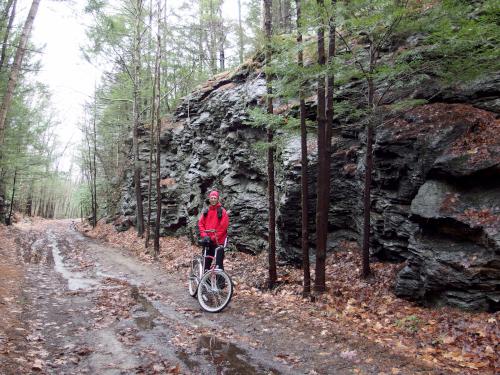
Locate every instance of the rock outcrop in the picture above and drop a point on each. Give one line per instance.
(437, 204)
(436, 187)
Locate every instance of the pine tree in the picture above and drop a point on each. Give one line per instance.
(321, 230)
(11, 85)
(270, 152)
(304, 164)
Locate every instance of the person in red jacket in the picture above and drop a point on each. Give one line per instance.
(215, 218)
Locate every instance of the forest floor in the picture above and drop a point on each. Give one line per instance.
(78, 305)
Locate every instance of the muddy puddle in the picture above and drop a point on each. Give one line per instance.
(145, 316)
(230, 359)
(76, 280)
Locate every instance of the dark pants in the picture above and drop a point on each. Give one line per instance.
(219, 260)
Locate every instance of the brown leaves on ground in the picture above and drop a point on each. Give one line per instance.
(113, 302)
(445, 338)
(11, 281)
(453, 339)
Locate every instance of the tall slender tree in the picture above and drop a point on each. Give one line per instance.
(270, 150)
(16, 66)
(11, 85)
(377, 22)
(10, 7)
(158, 132)
(326, 155)
(221, 39)
(136, 115)
(153, 72)
(321, 233)
(12, 197)
(286, 16)
(94, 162)
(304, 163)
(241, 46)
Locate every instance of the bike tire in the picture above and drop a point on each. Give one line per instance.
(195, 274)
(215, 291)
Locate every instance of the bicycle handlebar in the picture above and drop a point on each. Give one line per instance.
(212, 231)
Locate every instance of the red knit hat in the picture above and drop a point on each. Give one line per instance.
(214, 193)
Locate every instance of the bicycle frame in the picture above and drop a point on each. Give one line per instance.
(213, 297)
(205, 248)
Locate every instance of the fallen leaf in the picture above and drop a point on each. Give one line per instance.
(37, 364)
(348, 354)
(448, 340)
(174, 370)
(157, 367)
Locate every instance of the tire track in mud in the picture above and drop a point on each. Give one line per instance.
(93, 309)
(91, 313)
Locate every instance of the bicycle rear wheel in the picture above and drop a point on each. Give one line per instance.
(215, 290)
(195, 273)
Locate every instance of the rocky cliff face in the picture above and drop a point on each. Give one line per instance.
(437, 204)
(436, 189)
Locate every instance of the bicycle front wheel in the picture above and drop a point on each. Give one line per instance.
(215, 290)
(195, 273)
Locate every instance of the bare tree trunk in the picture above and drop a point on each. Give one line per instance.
(241, 49)
(270, 153)
(321, 234)
(366, 200)
(136, 115)
(29, 202)
(326, 161)
(94, 162)
(151, 131)
(201, 53)
(222, 57)
(16, 67)
(11, 85)
(90, 175)
(212, 39)
(158, 134)
(6, 10)
(221, 38)
(365, 272)
(286, 16)
(2, 199)
(277, 14)
(151, 143)
(303, 140)
(150, 177)
(11, 3)
(9, 219)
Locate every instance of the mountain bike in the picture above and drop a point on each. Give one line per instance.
(213, 288)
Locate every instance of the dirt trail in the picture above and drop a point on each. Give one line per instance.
(86, 308)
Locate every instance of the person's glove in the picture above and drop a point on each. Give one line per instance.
(204, 241)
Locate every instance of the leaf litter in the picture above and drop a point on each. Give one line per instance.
(444, 338)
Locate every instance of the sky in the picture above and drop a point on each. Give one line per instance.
(60, 29)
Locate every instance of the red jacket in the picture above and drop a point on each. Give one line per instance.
(211, 221)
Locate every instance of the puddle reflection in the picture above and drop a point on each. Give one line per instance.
(230, 359)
